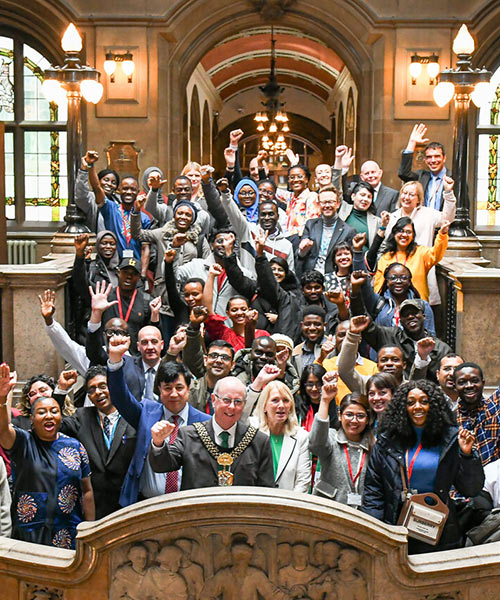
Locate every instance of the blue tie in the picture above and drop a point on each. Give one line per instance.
(149, 384)
(106, 427)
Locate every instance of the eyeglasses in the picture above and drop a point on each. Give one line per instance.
(40, 391)
(217, 356)
(228, 401)
(296, 177)
(111, 332)
(313, 384)
(398, 278)
(246, 194)
(94, 388)
(354, 416)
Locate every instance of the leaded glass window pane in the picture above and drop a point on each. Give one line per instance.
(488, 180)
(46, 186)
(10, 209)
(6, 79)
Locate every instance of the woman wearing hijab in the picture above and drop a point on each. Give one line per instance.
(104, 267)
(246, 196)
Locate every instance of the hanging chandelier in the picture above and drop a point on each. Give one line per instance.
(272, 122)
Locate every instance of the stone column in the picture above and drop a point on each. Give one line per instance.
(25, 345)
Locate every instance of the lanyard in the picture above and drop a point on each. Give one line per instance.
(409, 468)
(129, 306)
(126, 225)
(361, 463)
(406, 259)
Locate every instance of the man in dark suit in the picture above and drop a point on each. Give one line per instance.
(173, 380)
(140, 371)
(108, 439)
(432, 180)
(244, 454)
(384, 198)
(321, 235)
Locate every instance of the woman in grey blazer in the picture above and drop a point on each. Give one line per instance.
(275, 416)
(343, 453)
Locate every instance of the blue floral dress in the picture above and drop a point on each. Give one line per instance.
(46, 503)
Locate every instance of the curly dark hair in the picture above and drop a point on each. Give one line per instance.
(400, 224)
(290, 283)
(396, 424)
(24, 404)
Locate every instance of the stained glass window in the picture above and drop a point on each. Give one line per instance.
(38, 190)
(488, 180)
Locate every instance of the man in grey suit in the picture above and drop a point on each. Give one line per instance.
(384, 198)
(221, 451)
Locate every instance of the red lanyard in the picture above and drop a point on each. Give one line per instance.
(129, 306)
(362, 462)
(409, 468)
(396, 316)
(126, 225)
(220, 280)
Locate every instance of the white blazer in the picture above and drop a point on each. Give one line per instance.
(294, 467)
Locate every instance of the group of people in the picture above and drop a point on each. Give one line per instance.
(237, 333)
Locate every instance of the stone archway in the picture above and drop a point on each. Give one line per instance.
(343, 31)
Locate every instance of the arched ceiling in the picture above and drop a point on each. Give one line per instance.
(242, 61)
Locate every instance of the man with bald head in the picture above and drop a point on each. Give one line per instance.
(218, 452)
(384, 198)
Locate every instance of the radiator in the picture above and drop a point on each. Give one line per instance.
(21, 252)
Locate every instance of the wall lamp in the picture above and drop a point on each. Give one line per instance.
(416, 67)
(126, 60)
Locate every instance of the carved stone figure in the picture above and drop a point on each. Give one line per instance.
(241, 581)
(271, 10)
(297, 576)
(190, 570)
(350, 584)
(36, 592)
(164, 581)
(128, 580)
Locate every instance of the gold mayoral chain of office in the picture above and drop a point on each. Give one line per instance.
(225, 459)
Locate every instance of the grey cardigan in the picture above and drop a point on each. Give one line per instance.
(328, 445)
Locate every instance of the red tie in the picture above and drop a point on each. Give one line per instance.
(172, 478)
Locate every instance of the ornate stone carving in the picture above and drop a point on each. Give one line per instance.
(34, 592)
(271, 10)
(241, 566)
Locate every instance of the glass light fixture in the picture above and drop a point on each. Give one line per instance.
(71, 40)
(415, 68)
(273, 128)
(433, 67)
(443, 93)
(463, 42)
(481, 93)
(128, 65)
(51, 89)
(260, 127)
(109, 64)
(285, 128)
(91, 90)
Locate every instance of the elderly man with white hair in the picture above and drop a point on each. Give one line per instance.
(218, 452)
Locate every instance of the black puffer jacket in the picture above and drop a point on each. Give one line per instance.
(383, 485)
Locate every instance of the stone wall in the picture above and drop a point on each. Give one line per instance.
(233, 544)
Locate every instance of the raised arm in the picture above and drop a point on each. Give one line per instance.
(8, 380)
(319, 439)
(212, 196)
(438, 250)
(346, 363)
(450, 201)
(91, 158)
(128, 407)
(161, 212)
(99, 304)
(417, 136)
(177, 304)
(242, 284)
(193, 355)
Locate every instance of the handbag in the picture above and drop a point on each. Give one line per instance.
(424, 515)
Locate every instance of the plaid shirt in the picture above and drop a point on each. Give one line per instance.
(484, 421)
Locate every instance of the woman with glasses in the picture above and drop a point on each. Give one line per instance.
(275, 416)
(311, 383)
(425, 220)
(36, 387)
(401, 247)
(246, 196)
(418, 440)
(396, 288)
(343, 453)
